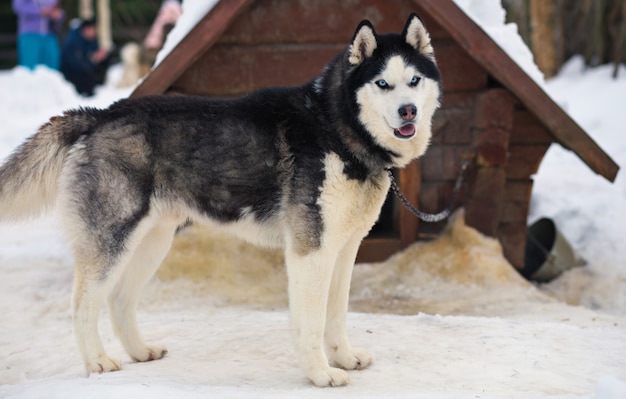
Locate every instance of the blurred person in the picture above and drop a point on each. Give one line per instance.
(83, 62)
(165, 20)
(39, 24)
(168, 14)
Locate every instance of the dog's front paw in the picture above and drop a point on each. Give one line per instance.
(150, 352)
(103, 364)
(331, 377)
(354, 359)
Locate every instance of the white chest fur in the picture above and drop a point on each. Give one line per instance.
(350, 206)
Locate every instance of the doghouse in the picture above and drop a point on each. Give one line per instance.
(493, 114)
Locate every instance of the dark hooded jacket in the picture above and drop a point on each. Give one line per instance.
(76, 64)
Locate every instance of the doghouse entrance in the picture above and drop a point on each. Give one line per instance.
(396, 227)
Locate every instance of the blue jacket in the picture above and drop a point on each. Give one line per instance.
(76, 53)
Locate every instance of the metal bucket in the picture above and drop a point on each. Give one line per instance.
(548, 254)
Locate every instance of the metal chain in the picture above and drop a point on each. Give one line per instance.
(430, 217)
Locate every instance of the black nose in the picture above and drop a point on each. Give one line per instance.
(407, 112)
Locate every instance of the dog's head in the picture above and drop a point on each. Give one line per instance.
(397, 86)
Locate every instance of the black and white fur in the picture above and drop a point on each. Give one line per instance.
(300, 168)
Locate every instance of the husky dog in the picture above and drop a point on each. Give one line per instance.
(300, 168)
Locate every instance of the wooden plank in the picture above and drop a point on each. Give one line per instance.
(494, 109)
(439, 121)
(378, 249)
(233, 70)
(489, 55)
(321, 21)
(516, 201)
(459, 71)
(458, 99)
(528, 130)
(524, 160)
(435, 196)
(452, 126)
(512, 237)
(513, 211)
(493, 121)
(492, 147)
(409, 180)
(482, 208)
(443, 162)
(518, 190)
(429, 197)
(197, 41)
(432, 163)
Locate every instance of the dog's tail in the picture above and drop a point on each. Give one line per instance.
(29, 179)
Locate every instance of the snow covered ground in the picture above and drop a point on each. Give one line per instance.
(484, 332)
(589, 211)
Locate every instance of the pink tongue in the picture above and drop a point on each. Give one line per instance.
(407, 130)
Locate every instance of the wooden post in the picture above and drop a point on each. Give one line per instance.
(105, 38)
(492, 126)
(85, 9)
(546, 36)
(410, 181)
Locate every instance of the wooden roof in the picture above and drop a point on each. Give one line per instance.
(460, 27)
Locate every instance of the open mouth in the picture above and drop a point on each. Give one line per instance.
(405, 132)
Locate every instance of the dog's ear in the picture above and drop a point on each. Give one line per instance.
(363, 43)
(416, 35)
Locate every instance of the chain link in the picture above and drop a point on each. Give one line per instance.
(424, 216)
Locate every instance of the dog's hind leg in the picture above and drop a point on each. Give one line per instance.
(338, 346)
(123, 298)
(98, 269)
(92, 280)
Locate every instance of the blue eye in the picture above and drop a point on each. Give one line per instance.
(415, 80)
(382, 83)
